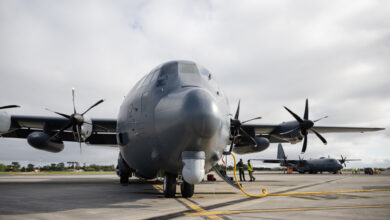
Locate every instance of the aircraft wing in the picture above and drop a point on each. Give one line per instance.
(267, 129)
(104, 130)
(342, 161)
(277, 161)
(331, 129)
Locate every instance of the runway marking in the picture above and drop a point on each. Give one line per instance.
(283, 210)
(199, 210)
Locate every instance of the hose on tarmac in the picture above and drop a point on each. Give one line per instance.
(265, 191)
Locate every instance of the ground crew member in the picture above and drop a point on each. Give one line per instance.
(250, 170)
(240, 166)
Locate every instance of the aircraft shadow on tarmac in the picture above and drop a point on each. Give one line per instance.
(62, 195)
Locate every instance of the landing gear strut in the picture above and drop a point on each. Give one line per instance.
(169, 185)
(187, 190)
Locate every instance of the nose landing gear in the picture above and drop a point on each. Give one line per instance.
(169, 187)
(187, 190)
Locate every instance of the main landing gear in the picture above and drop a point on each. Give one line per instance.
(170, 181)
(124, 178)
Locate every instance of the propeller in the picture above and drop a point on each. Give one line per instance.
(9, 106)
(301, 159)
(236, 129)
(305, 125)
(75, 120)
(343, 160)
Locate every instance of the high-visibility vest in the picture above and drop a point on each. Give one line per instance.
(250, 167)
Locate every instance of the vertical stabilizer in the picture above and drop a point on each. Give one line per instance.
(281, 155)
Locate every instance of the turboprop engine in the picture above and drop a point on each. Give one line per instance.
(247, 146)
(43, 141)
(5, 119)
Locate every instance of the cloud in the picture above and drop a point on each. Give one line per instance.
(268, 54)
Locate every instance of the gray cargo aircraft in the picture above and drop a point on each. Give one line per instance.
(174, 122)
(322, 164)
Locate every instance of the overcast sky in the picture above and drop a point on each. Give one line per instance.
(266, 53)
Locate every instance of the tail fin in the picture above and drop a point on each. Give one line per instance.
(280, 155)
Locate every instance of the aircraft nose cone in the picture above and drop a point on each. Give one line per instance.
(202, 112)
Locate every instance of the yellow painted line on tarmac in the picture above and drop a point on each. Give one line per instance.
(294, 194)
(217, 195)
(327, 192)
(158, 187)
(190, 204)
(246, 186)
(198, 209)
(283, 210)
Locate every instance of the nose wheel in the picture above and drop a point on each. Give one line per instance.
(169, 185)
(187, 190)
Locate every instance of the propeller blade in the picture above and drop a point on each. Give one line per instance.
(320, 119)
(93, 106)
(250, 120)
(320, 136)
(252, 139)
(9, 106)
(231, 145)
(70, 123)
(74, 106)
(286, 132)
(58, 113)
(238, 110)
(304, 145)
(306, 115)
(79, 136)
(294, 115)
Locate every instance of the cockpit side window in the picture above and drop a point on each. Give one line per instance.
(204, 72)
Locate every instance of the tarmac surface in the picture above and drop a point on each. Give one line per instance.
(95, 197)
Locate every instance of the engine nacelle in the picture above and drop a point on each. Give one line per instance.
(5, 122)
(41, 141)
(86, 128)
(246, 147)
(293, 137)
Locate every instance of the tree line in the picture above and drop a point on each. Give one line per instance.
(71, 165)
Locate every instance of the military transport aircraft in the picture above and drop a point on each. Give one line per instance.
(174, 121)
(322, 164)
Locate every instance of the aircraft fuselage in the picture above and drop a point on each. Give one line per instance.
(177, 107)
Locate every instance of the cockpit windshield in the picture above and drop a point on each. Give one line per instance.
(169, 68)
(188, 68)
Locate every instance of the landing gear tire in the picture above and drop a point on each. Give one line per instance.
(169, 185)
(124, 179)
(187, 190)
